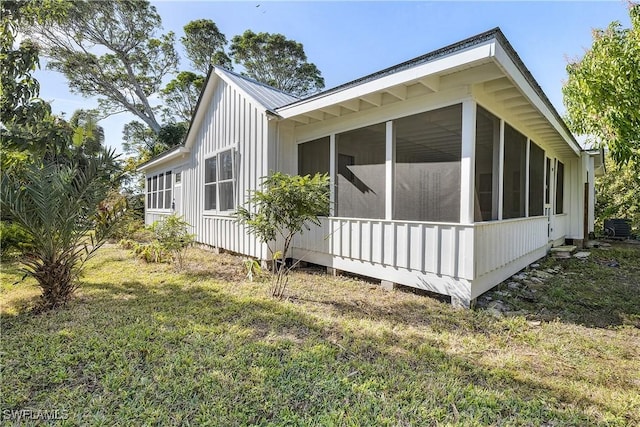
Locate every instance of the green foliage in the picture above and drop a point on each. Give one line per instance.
(181, 95)
(618, 195)
(170, 240)
(253, 268)
(280, 211)
(151, 252)
(14, 239)
(204, 45)
(19, 103)
(602, 93)
(60, 209)
(172, 234)
(132, 62)
(274, 60)
(150, 346)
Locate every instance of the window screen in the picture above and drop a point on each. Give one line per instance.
(536, 180)
(427, 169)
(515, 145)
(313, 157)
(487, 158)
(361, 173)
(560, 188)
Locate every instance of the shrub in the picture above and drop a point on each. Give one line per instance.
(172, 235)
(14, 239)
(165, 240)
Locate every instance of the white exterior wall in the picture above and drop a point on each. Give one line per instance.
(230, 121)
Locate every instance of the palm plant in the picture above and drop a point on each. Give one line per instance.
(60, 206)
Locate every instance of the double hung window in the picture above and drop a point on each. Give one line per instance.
(219, 180)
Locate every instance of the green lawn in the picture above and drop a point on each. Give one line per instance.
(143, 345)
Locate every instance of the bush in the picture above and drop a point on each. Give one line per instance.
(166, 240)
(14, 240)
(173, 237)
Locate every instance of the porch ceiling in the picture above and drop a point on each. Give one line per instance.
(485, 77)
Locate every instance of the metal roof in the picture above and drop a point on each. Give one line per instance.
(470, 42)
(269, 97)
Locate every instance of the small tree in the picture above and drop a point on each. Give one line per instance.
(285, 206)
(61, 209)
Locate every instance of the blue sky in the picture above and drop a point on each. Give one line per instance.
(347, 40)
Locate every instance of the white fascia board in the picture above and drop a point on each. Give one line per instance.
(511, 69)
(451, 61)
(176, 154)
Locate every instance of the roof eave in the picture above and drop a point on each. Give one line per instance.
(165, 157)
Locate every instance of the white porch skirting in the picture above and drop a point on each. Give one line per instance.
(459, 260)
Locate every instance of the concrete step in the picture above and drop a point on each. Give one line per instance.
(563, 251)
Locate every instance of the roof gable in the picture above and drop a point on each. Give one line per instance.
(269, 97)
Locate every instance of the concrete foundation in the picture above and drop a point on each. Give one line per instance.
(333, 271)
(387, 285)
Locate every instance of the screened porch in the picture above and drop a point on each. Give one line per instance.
(434, 199)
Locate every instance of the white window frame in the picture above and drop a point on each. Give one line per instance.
(217, 155)
(150, 192)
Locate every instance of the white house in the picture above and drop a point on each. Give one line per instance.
(449, 172)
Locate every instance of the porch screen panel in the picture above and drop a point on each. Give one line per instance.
(313, 157)
(515, 157)
(487, 149)
(427, 168)
(360, 171)
(536, 180)
(560, 188)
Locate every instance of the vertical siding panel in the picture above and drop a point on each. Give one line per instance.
(366, 241)
(346, 239)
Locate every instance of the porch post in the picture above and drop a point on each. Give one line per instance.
(332, 174)
(389, 162)
(468, 163)
(501, 171)
(527, 174)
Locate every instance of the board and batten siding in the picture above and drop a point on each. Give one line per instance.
(231, 121)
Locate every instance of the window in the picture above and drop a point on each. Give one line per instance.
(313, 157)
(159, 191)
(178, 178)
(427, 168)
(487, 159)
(515, 146)
(536, 180)
(219, 182)
(361, 172)
(559, 188)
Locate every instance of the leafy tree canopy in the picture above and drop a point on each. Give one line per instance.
(181, 95)
(602, 93)
(204, 45)
(19, 90)
(134, 61)
(276, 61)
(618, 194)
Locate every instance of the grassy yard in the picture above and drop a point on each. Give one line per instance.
(143, 345)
